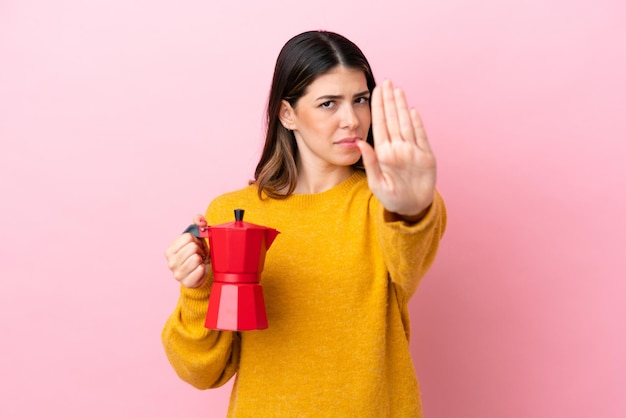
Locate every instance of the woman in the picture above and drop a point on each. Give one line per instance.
(350, 255)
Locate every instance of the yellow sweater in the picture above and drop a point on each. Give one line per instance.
(336, 282)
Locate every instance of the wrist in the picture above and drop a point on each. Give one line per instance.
(410, 219)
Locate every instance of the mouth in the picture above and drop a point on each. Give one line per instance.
(348, 142)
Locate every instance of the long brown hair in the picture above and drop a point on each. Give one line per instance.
(302, 59)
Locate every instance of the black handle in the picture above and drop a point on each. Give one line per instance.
(198, 231)
(193, 230)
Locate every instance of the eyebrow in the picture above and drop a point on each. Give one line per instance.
(335, 96)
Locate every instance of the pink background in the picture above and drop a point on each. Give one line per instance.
(121, 119)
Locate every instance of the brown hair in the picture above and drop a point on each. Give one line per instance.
(302, 59)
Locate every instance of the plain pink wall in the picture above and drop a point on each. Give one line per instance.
(120, 120)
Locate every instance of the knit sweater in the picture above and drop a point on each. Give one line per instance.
(336, 282)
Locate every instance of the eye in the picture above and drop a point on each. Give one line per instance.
(362, 100)
(327, 105)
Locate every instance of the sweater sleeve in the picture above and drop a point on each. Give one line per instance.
(201, 357)
(409, 249)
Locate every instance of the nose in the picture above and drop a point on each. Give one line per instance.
(349, 118)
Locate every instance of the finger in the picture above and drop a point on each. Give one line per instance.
(196, 278)
(195, 264)
(420, 132)
(404, 116)
(182, 249)
(186, 261)
(379, 125)
(391, 113)
(189, 266)
(187, 239)
(370, 162)
(177, 245)
(199, 220)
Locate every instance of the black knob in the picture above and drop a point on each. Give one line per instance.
(239, 214)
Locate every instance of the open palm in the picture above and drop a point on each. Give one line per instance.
(401, 168)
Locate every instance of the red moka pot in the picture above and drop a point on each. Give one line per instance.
(237, 257)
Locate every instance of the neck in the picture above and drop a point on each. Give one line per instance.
(319, 180)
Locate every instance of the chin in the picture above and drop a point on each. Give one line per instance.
(348, 162)
(356, 157)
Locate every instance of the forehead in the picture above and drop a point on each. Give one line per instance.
(337, 81)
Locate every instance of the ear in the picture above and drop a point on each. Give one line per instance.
(287, 115)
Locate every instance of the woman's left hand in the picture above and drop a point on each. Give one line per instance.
(401, 168)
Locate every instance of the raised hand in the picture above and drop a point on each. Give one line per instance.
(188, 257)
(401, 168)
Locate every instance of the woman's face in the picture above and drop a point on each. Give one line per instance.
(329, 118)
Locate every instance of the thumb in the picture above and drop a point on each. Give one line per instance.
(199, 220)
(370, 162)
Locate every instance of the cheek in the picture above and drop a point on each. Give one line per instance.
(315, 122)
(365, 117)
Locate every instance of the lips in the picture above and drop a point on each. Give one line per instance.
(348, 141)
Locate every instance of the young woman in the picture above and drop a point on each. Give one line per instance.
(352, 249)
